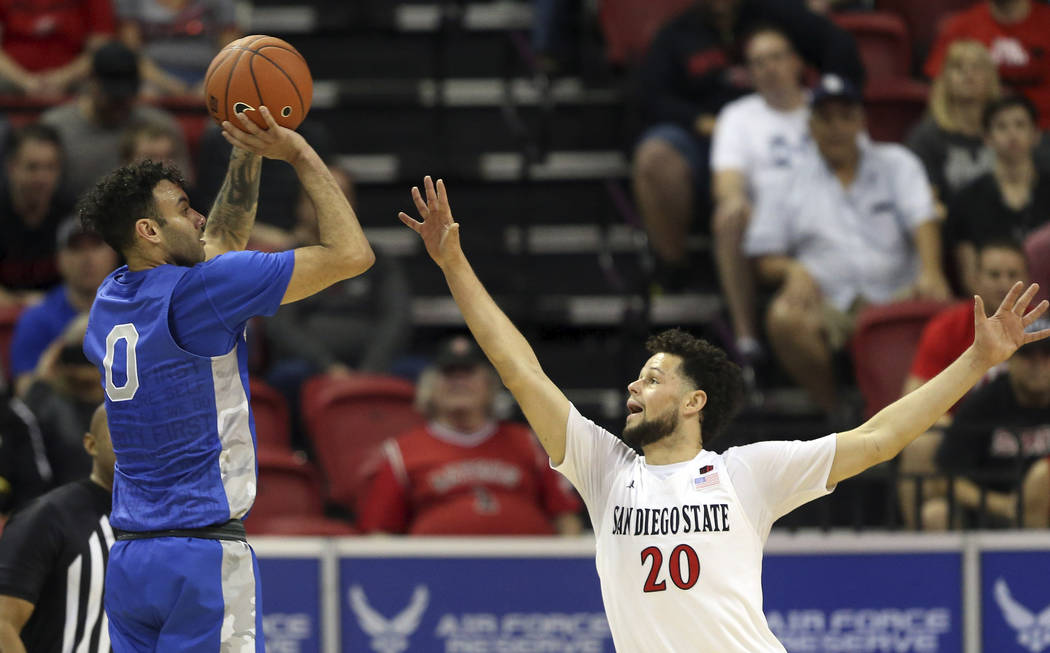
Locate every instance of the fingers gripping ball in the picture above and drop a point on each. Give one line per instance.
(259, 70)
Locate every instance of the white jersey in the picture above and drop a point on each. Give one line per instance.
(759, 141)
(679, 547)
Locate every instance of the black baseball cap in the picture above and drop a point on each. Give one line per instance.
(835, 87)
(459, 351)
(116, 68)
(71, 231)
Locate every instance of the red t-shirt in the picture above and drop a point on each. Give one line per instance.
(1021, 50)
(45, 34)
(434, 481)
(943, 340)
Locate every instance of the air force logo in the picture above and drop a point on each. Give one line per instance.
(389, 635)
(1033, 632)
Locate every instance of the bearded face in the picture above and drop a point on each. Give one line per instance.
(647, 430)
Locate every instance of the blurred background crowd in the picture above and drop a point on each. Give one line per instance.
(819, 187)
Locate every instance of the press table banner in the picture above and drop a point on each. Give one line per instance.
(1015, 601)
(954, 593)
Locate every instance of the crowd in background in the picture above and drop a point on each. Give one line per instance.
(755, 134)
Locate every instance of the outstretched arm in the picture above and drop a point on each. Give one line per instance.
(344, 251)
(891, 429)
(545, 406)
(232, 215)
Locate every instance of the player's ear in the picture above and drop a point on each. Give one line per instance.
(90, 445)
(147, 228)
(694, 402)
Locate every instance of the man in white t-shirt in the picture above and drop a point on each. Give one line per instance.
(680, 529)
(756, 140)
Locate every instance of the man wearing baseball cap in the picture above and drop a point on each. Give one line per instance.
(998, 446)
(84, 260)
(465, 472)
(92, 125)
(853, 225)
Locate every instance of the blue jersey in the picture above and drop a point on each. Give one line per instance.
(170, 344)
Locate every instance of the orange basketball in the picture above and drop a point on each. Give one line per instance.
(254, 71)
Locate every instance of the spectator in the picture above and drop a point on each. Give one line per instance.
(949, 140)
(855, 225)
(998, 445)
(53, 558)
(30, 210)
(755, 142)
(150, 140)
(689, 73)
(47, 46)
(25, 472)
(84, 260)
(359, 324)
(1000, 264)
(92, 124)
(62, 396)
(1012, 200)
(1016, 34)
(176, 40)
(464, 473)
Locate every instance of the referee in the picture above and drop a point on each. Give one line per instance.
(53, 561)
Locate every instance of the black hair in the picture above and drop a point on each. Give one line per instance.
(16, 138)
(998, 105)
(120, 198)
(710, 370)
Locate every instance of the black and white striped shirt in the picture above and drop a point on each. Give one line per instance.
(53, 553)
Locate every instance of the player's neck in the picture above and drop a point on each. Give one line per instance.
(100, 479)
(466, 421)
(138, 261)
(678, 447)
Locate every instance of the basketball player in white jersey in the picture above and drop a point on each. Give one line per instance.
(680, 530)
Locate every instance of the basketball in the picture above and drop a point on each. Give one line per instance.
(254, 71)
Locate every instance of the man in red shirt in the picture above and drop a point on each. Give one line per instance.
(465, 473)
(1000, 264)
(47, 45)
(1017, 33)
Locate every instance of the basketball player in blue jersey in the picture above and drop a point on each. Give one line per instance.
(167, 332)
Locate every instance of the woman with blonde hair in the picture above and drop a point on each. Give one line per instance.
(949, 140)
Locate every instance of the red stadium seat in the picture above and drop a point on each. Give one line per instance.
(8, 319)
(884, 345)
(629, 25)
(287, 486)
(272, 423)
(923, 18)
(893, 107)
(883, 42)
(347, 418)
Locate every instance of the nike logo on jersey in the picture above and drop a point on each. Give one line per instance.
(704, 518)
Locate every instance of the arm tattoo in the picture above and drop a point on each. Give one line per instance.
(233, 213)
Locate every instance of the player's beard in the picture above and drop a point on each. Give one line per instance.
(648, 431)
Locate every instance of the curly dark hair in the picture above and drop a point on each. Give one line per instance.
(122, 197)
(710, 370)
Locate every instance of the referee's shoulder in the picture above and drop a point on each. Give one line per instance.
(44, 508)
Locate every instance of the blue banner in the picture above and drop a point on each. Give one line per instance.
(472, 605)
(291, 598)
(1015, 601)
(866, 603)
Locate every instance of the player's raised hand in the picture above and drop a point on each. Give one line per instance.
(996, 338)
(274, 142)
(440, 233)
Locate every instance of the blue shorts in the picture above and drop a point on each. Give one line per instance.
(183, 594)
